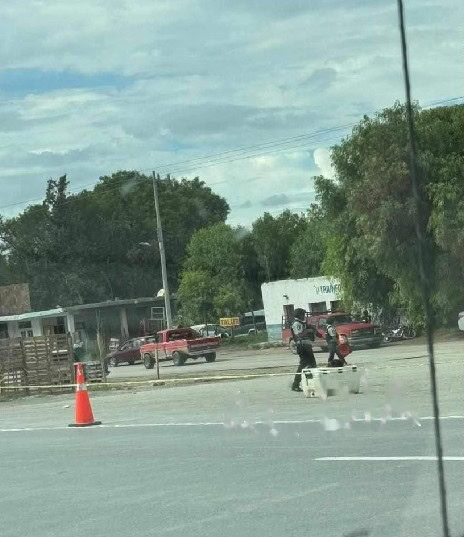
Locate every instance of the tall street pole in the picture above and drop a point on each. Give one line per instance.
(164, 273)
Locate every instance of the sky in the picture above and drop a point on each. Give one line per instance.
(91, 87)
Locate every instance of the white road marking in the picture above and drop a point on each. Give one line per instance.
(214, 423)
(407, 458)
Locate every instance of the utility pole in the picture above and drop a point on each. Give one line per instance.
(250, 305)
(164, 273)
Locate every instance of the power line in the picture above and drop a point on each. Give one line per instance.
(286, 140)
(264, 145)
(184, 170)
(274, 151)
(275, 146)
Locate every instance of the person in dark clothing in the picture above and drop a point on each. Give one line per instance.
(331, 338)
(366, 318)
(303, 338)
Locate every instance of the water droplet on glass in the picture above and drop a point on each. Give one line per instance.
(331, 424)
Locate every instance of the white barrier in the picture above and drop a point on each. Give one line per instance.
(324, 381)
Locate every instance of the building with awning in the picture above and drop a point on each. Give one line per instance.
(119, 318)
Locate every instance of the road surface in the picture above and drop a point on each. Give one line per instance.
(241, 458)
(229, 360)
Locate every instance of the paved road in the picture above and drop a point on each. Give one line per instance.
(238, 458)
(208, 480)
(229, 360)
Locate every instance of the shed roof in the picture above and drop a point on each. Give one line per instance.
(55, 312)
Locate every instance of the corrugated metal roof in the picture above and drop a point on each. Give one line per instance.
(72, 309)
(112, 303)
(33, 315)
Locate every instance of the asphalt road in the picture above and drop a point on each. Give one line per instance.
(239, 458)
(229, 360)
(208, 480)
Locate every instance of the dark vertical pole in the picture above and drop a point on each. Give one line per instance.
(157, 364)
(424, 264)
(250, 304)
(164, 273)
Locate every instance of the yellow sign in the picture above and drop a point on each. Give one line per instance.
(227, 322)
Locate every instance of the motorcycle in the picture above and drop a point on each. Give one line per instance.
(401, 332)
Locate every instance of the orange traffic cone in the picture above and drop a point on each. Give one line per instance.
(84, 414)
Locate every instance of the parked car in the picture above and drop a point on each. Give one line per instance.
(206, 330)
(179, 344)
(127, 352)
(461, 321)
(249, 329)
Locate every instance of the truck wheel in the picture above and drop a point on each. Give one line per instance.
(211, 357)
(114, 362)
(177, 358)
(148, 361)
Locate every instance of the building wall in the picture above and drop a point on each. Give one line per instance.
(13, 330)
(37, 326)
(301, 293)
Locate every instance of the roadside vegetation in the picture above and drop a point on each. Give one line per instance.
(100, 244)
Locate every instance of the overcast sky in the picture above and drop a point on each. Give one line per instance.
(94, 86)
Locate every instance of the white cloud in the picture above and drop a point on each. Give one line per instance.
(323, 162)
(177, 80)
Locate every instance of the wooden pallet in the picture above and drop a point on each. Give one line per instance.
(41, 361)
(94, 372)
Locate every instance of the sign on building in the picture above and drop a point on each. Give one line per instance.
(229, 322)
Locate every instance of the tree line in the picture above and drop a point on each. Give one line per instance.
(92, 246)
(101, 244)
(360, 229)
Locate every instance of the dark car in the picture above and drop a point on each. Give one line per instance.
(127, 352)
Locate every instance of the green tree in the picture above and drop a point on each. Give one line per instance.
(273, 238)
(89, 246)
(195, 295)
(372, 245)
(308, 251)
(212, 283)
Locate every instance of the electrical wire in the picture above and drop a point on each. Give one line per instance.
(206, 165)
(246, 152)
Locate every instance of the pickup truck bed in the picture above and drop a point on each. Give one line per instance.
(178, 345)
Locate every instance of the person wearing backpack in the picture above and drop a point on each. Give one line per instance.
(303, 336)
(331, 338)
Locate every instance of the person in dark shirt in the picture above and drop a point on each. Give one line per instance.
(331, 338)
(303, 338)
(366, 318)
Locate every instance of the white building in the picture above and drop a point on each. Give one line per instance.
(280, 298)
(35, 323)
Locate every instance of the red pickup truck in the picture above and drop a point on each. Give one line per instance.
(179, 344)
(358, 334)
